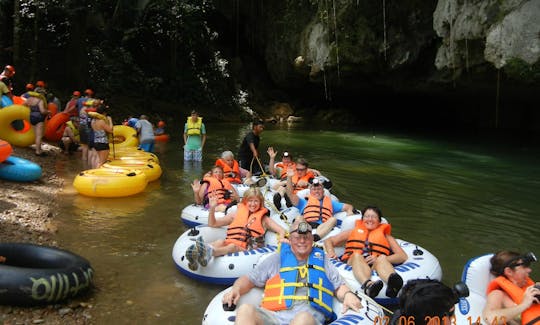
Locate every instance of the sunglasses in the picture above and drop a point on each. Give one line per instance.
(300, 169)
(524, 263)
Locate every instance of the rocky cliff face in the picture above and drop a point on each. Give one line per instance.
(492, 32)
(460, 53)
(357, 43)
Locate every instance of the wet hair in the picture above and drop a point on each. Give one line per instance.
(302, 161)
(253, 192)
(425, 298)
(226, 154)
(501, 260)
(258, 122)
(374, 208)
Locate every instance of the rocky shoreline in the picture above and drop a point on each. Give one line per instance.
(27, 214)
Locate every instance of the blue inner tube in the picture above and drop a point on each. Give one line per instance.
(37, 275)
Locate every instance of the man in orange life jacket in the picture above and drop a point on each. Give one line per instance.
(317, 209)
(296, 263)
(370, 245)
(512, 294)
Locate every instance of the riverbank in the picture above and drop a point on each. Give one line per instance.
(27, 214)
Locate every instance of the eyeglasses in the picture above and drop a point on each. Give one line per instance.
(300, 169)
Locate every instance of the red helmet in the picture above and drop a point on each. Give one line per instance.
(40, 83)
(89, 92)
(29, 86)
(161, 124)
(77, 93)
(10, 68)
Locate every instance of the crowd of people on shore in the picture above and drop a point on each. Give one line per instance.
(89, 128)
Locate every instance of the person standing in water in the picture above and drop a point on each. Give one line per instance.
(194, 137)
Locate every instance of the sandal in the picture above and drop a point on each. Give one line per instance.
(371, 288)
(191, 256)
(204, 254)
(395, 282)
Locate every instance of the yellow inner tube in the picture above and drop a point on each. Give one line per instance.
(151, 169)
(103, 182)
(20, 138)
(124, 136)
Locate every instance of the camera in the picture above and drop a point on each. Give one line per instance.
(537, 286)
(461, 290)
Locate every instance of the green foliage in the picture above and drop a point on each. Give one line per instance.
(521, 70)
(121, 47)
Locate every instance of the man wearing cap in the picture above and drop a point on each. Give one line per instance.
(248, 154)
(512, 295)
(194, 137)
(303, 274)
(317, 209)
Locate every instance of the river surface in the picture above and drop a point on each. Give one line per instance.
(457, 198)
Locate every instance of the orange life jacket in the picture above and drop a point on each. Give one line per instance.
(532, 314)
(246, 225)
(372, 242)
(295, 179)
(317, 212)
(232, 174)
(220, 187)
(283, 168)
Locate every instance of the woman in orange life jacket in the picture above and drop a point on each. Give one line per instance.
(512, 294)
(230, 167)
(214, 183)
(246, 229)
(370, 245)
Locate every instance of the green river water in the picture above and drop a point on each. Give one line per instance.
(457, 198)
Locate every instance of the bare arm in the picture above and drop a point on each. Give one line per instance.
(196, 186)
(349, 299)
(254, 150)
(203, 140)
(271, 163)
(497, 311)
(334, 241)
(239, 288)
(274, 226)
(293, 197)
(348, 209)
(212, 221)
(399, 255)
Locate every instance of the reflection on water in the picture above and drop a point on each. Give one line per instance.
(456, 200)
